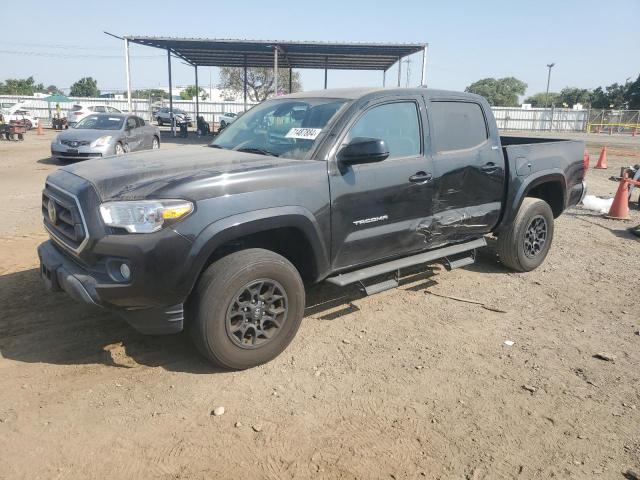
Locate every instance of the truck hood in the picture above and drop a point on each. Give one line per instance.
(164, 173)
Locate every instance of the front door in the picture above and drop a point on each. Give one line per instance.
(134, 134)
(378, 209)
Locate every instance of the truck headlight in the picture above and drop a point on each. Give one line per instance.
(144, 216)
(102, 141)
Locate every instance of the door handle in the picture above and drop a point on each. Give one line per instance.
(420, 177)
(489, 167)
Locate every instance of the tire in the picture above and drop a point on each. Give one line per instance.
(213, 311)
(155, 143)
(160, 122)
(119, 149)
(515, 248)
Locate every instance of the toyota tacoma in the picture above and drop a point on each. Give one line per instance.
(345, 186)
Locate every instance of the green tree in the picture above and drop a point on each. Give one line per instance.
(632, 95)
(612, 96)
(539, 100)
(85, 87)
(20, 86)
(149, 93)
(190, 92)
(573, 95)
(260, 82)
(502, 92)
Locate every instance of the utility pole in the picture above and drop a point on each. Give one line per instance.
(546, 98)
(408, 62)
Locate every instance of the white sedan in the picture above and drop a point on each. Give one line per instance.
(227, 119)
(20, 114)
(79, 111)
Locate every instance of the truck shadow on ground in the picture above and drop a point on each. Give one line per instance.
(37, 326)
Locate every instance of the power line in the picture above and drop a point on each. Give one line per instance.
(73, 55)
(49, 45)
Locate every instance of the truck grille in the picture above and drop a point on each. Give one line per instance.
(62, 217)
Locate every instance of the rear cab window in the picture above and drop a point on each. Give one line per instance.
(457, 125)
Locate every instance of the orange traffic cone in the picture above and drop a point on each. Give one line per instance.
(39, 130)
(602, 161)
(586, 159)
(620, 206)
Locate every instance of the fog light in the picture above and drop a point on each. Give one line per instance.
(125, 271)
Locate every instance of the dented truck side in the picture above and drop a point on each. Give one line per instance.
(387, 178)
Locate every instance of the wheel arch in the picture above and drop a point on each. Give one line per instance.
(549, 186)
(289, 231)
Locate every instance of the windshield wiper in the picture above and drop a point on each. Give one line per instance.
(261, 151)
(213, 145)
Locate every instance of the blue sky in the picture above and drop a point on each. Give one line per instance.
(591, 42)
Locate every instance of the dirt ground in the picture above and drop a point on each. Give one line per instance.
(404, 384)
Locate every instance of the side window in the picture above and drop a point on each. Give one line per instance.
(131, 123)
(99, 108)
(140, 122)
(457, 125)
(395, 123)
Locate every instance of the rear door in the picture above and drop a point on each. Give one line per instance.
(469, 170)
(377, 209)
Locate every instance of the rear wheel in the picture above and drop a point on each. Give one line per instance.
(526, 243)
(246, 308)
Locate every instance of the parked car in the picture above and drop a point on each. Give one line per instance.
(18, 113)
(79, 111)
(227, 119)
(344, 186)
(104, 134)
(163, 116)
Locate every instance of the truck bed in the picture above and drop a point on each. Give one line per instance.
(529, 160)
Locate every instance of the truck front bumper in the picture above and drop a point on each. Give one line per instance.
(60, 273)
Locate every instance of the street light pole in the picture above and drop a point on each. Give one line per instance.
(546, 98)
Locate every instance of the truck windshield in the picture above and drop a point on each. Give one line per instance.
(281, 127)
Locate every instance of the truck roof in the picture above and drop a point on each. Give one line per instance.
(360, 92)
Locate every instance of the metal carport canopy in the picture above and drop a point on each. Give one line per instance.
(259, 53)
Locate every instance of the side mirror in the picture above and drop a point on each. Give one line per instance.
(363, 150)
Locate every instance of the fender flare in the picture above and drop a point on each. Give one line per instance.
(513, 204)
(255, 221)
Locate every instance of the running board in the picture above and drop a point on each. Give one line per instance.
(394, 265)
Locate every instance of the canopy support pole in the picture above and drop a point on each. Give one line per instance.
(127, 65)
(384, 78)
(171, 117)
(275, 71)
(244, 83)
(423, 79)
(326, 61)
(197, 97)
(290, 80)
(399, 69)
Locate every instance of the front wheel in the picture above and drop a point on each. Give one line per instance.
(160, 122)
(526, 243)
(246, 308)
(119, 149)
(155, 144)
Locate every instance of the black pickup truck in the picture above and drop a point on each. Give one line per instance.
(343, 186)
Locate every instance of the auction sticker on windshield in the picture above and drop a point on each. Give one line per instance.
(304, 133)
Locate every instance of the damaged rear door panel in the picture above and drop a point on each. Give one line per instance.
(469, 171)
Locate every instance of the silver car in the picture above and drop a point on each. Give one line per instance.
(103, 134)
